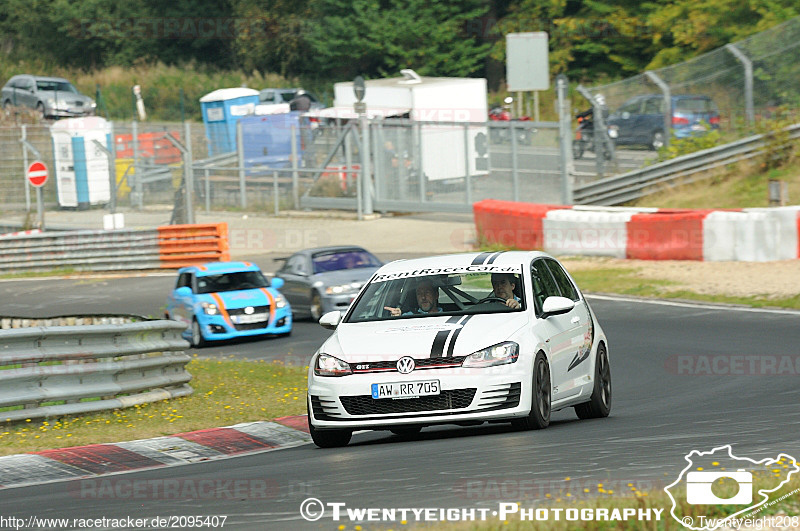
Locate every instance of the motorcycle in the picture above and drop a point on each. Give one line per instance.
(502, 135)
(585, 136)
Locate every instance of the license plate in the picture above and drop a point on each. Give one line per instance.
(399, 390)
(249, 319)
(698, 127)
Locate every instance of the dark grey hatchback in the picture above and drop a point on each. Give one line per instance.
(640, 120)
(323, 279)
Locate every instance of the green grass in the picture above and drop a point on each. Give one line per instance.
(226, 392)
(624, 281)
(741, 185)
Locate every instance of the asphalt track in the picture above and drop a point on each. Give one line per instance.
(666, 403)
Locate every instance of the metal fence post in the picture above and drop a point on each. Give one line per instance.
(366, 166)
(564, 137)
(467, 177)
(188, 174)
(138, 202)
(23, 138)
(208, 190)
(514, 161)
(240, 164)
(420, 169)
(295, 178)
(667, 104)
(748, 80)
(275, 190)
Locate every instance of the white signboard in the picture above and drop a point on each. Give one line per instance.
(527, 61)
(215, 114)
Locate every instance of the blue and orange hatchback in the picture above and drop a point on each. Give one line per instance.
(226, 300)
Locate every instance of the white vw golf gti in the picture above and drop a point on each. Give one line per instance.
(459, 339)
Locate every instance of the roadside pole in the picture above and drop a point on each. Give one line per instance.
(565, 137)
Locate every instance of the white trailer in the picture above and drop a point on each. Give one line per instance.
(445, 108)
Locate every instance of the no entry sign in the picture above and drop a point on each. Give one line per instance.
(37, 174)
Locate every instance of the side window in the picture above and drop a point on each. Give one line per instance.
(654, 106)
(543, 284)
(632, 107)
(564, 284)
(184, 280)
(297, 265)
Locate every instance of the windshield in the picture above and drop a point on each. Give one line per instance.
(434, 295)
(338, 260)
(63, 86)
(231, 282)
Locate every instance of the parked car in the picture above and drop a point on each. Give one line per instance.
(226, 300)
(51, 97)
(323, 279)
(640, 120)
(511, 339)
(270, 96)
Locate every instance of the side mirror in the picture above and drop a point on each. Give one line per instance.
(184, 291)
(626, 115)
(276, 283)
(331, 320)
(556, 306)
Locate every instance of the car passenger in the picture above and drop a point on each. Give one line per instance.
(427, 300)
(503, 286)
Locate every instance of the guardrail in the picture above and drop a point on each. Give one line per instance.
(170, 247)
(625, 187)
(48, 371)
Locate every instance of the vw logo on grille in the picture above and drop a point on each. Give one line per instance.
(249, 310)
(405, 365)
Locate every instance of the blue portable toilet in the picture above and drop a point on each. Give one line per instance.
(267, 140)
(81, 171)
(221, 110)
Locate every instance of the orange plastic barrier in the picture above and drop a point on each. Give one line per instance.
(184, 245)
(666, 235)
(517, 225)
(151, 145)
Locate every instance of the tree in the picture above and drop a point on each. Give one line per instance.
(380, 37)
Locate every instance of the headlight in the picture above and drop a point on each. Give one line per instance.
(613, 131)
(499, 354)
(329, 366)
(280, 302)
(93, 105)
(209, 308)
(343, 288)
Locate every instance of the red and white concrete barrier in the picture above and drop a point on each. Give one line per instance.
(747, 235)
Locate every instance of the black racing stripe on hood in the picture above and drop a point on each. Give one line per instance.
(452, 344)
(494, 257)
(441, 338)
(480, 258)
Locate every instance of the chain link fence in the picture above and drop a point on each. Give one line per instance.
(750, 81)
(414, 166)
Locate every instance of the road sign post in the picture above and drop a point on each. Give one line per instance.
(37, 176)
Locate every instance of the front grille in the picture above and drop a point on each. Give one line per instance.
(504, 397)
(449, 399)
(420, 364)
(323, 408)
(256, 309)
(251, 326)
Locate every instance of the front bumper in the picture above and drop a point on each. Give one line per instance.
(337, 302)
(500, 392)
(217, 328)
